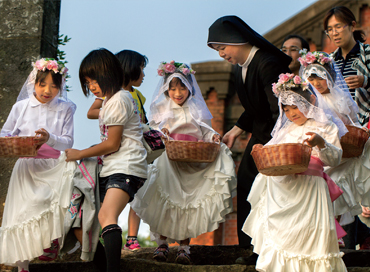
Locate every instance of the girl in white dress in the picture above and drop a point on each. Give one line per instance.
(291, 222)
(352, 175)
(124, 168)
(183, 200)
(40, 187)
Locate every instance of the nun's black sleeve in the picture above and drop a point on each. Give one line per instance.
(256, 95)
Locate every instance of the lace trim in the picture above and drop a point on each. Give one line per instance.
(209, 197)
(33, 220)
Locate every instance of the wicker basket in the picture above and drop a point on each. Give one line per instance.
(282, 159)
(18, 146)
(353, 142)
(185, 151)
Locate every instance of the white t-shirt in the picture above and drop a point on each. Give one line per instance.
(130, 159)
(29, 115)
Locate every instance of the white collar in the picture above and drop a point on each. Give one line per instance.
(250, 57)
(52, 105)
(173, 105)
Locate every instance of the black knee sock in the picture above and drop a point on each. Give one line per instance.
(112, 236)
(100, 260)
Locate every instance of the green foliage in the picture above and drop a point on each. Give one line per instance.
(61, 55)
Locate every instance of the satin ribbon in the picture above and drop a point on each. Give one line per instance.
(183, 137)
(316, 168)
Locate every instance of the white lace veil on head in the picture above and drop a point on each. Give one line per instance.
(341, 99)
(43, 64)
(290, 93)
(160, 107)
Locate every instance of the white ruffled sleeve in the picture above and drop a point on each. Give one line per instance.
(65, 139)
(331, 155)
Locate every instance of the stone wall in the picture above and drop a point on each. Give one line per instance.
(28, 30)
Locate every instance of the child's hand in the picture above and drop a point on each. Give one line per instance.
(230, 137)
(42, 136)
(73, 154)
(165, 131)
(315, 140)
(365, 212)
(216, 138)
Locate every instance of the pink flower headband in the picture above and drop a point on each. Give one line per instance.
(52, 65)
(288, 81)
(171, 67)
(309, 58)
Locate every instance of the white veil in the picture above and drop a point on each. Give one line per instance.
(59, 103)
(160, 109)
(288, 94)
(340, 97)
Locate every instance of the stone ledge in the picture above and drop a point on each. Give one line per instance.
(204, 258)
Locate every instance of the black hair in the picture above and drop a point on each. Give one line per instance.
(101, 65)
(131, 62)
(56, 77)
(346, 16)
(304, 43)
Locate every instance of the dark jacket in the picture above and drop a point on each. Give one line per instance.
(256, 96)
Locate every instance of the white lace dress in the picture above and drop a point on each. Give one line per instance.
(183, 200)
(291, 222)
(40, 189)
(352, 175)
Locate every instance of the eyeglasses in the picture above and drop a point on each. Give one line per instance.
(337, 28)
(94, 83)
(291, 49)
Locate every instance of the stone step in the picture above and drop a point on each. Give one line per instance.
(204, 258)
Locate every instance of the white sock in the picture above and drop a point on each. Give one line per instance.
(161, 242)
(184, 247)
(23, 265)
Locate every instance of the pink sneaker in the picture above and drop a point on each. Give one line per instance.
(51, 253)
(132, 244)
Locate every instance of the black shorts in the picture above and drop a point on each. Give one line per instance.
(129, 184)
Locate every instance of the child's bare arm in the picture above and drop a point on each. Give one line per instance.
(110, 145)
(315, 140)
(94, 110)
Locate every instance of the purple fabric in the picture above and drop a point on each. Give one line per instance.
(153, 139)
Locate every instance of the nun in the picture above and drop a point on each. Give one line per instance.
(258, 64)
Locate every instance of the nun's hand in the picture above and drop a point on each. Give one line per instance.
(230, 137)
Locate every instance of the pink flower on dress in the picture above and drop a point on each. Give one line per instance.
(169, 68)
(172, 62)
(297, 80)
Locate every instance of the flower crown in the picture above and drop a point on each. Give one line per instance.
(309, 58)
(171, 67)
(288, 81)
(52, 65)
